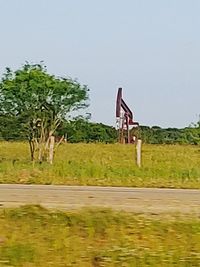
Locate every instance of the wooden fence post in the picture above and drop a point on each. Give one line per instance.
(139, 153)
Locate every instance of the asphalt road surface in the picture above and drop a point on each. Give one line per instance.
(140, 200)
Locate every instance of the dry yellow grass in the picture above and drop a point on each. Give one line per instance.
(171, 166)
(31, 236)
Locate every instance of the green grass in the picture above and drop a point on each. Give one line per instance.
(172, 166)
(33, 236)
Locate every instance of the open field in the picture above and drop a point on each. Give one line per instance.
(169, 166)
(33, 236)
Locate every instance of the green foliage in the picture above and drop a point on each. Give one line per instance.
(11, 128)
(157, 135)
(81, 130)
(34, 103)
(31, 93)
(31, 90)
(18, 253)
(34, 236)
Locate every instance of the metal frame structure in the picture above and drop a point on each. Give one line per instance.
(124, 118)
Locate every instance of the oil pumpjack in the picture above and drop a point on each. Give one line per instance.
(125, 120)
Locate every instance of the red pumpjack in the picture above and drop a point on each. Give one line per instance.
(125, 119)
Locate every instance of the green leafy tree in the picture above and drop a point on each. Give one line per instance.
(11, 128)
(40, 102)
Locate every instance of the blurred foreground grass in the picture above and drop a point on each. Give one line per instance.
(172, 166)
(33, 236)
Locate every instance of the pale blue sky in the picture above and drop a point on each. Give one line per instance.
(151, 48)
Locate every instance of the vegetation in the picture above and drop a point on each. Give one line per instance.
(34, 103)
(33, 236)
(82, 130)
(157, 135)
(172, 166)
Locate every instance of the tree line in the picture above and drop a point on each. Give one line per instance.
(83, 130)
(158, 135)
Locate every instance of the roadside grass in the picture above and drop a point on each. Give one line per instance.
(34, 236)
(172, 166)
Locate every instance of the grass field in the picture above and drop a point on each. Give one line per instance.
(170, 166)
(32, 236)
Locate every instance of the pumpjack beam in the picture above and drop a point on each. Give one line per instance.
(125, 119)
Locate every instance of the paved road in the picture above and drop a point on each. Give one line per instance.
(121, 198)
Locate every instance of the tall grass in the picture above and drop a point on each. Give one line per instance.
(171, 166)
(33, 236)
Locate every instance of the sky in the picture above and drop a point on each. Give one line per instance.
(149, 48)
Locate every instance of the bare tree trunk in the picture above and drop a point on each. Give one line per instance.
(42, 143)
(32, 149)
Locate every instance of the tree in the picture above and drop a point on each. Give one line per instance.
(40, 102)
(11, 128)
